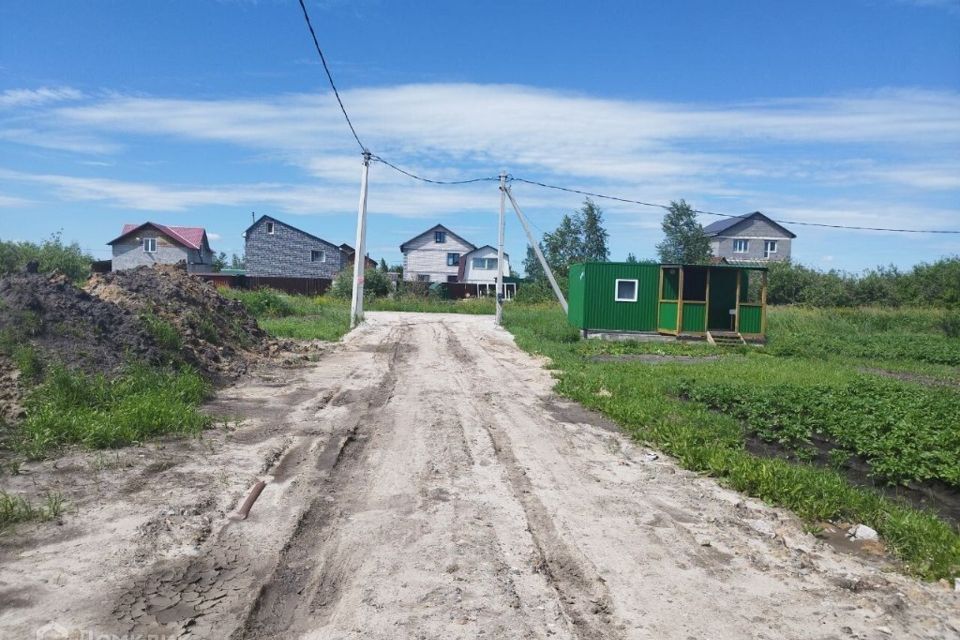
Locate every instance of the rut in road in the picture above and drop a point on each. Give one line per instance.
(306, 582)
(433, 486)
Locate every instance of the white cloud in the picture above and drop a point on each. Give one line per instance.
(36, 97)
(213, 236)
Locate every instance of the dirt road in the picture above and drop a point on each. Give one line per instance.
(424, 482)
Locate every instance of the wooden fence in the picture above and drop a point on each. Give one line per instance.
(304, 286)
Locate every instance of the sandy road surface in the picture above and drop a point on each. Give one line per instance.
(425, 483)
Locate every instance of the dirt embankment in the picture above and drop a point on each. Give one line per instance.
(150, 315)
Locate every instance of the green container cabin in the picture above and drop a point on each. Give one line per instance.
(669, 299)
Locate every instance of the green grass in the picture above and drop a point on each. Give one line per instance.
(164, 334)
(295, 316)
(477, 306)
(17, 509)
(71, 408)
(905, 429)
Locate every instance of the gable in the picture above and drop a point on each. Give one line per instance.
(730, 227)
(428, 234)
(261, 223)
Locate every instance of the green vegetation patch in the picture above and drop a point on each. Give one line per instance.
(16, 509)
(783, 401)
(70, 407)
(477, 306)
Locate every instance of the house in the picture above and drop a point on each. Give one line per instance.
(434, 255)
(716, 302)
(275, 248)
(479, 266)
(150, 243)
(750, 238)
(348, 256)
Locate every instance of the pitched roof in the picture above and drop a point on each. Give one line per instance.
(192, 237)
(718, 227)
(289, 226)
(437, 227)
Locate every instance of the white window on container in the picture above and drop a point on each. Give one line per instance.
(741, 246)
(769, 246)
(439, 236)
(270, 228)
(150, 245)
(626, 291)
(318, 256)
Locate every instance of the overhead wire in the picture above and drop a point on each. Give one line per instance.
(410, 174)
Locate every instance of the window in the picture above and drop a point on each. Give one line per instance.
(741, 246)
(270, 228)
(626, 291)
(423, 277)
(451, 278)
(150, 245)
(453, 259)
(484, 263)
(769, 246)
(439, 237)
(318, 256)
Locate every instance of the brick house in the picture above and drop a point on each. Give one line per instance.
(750, 238)
(150, 243)
(274, 248)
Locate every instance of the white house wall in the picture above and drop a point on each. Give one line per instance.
(484, 276)
(423, 256)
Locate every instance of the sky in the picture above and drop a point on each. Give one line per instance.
(204, 112)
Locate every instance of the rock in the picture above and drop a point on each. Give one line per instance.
(885, 631)
(762, 527)
(650, 456)
(863, 532)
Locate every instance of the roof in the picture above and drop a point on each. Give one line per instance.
(289, 226)
(192, 237)
(461, 270)
(718, 227)
(437, 227)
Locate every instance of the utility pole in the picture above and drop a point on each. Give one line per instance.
(501, 289)
(536, 249)
(360, 249)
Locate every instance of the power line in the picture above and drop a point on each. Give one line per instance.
(316, 43)
(410, 174)
(731, 215)
(430, 180)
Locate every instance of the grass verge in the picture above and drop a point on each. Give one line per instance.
(646, 400)
(74, 408)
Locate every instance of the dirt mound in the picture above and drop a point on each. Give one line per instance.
(47, 319)
(212, 333)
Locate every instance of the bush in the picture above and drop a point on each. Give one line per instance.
(950, 323)
(535, 292)
(376, 284)
(262, 302)
(51, 255)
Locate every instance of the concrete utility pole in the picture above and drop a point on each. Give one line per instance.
(536, 249)
(360, 249)
(501, 289)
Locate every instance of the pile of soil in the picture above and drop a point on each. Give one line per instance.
(112, 321)
(218, 334)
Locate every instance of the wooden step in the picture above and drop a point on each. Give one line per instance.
(725, 338)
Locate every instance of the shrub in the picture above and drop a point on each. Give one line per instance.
(263, 302)
(376, 284)
(950, 323)
(535, 292)
(51, 255)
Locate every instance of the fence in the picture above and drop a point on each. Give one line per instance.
(305, 286)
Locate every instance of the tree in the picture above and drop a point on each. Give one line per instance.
(579, 237)
(383, 265)
(236, 262)
(220, 262)
(595, 237)
(632, 259)
(684, 240)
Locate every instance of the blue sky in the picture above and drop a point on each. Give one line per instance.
(198, 112)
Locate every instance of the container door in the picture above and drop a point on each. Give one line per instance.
(668, 306)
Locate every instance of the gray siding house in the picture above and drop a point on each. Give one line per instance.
(750, 238)
(151, 243)
(274, 248)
